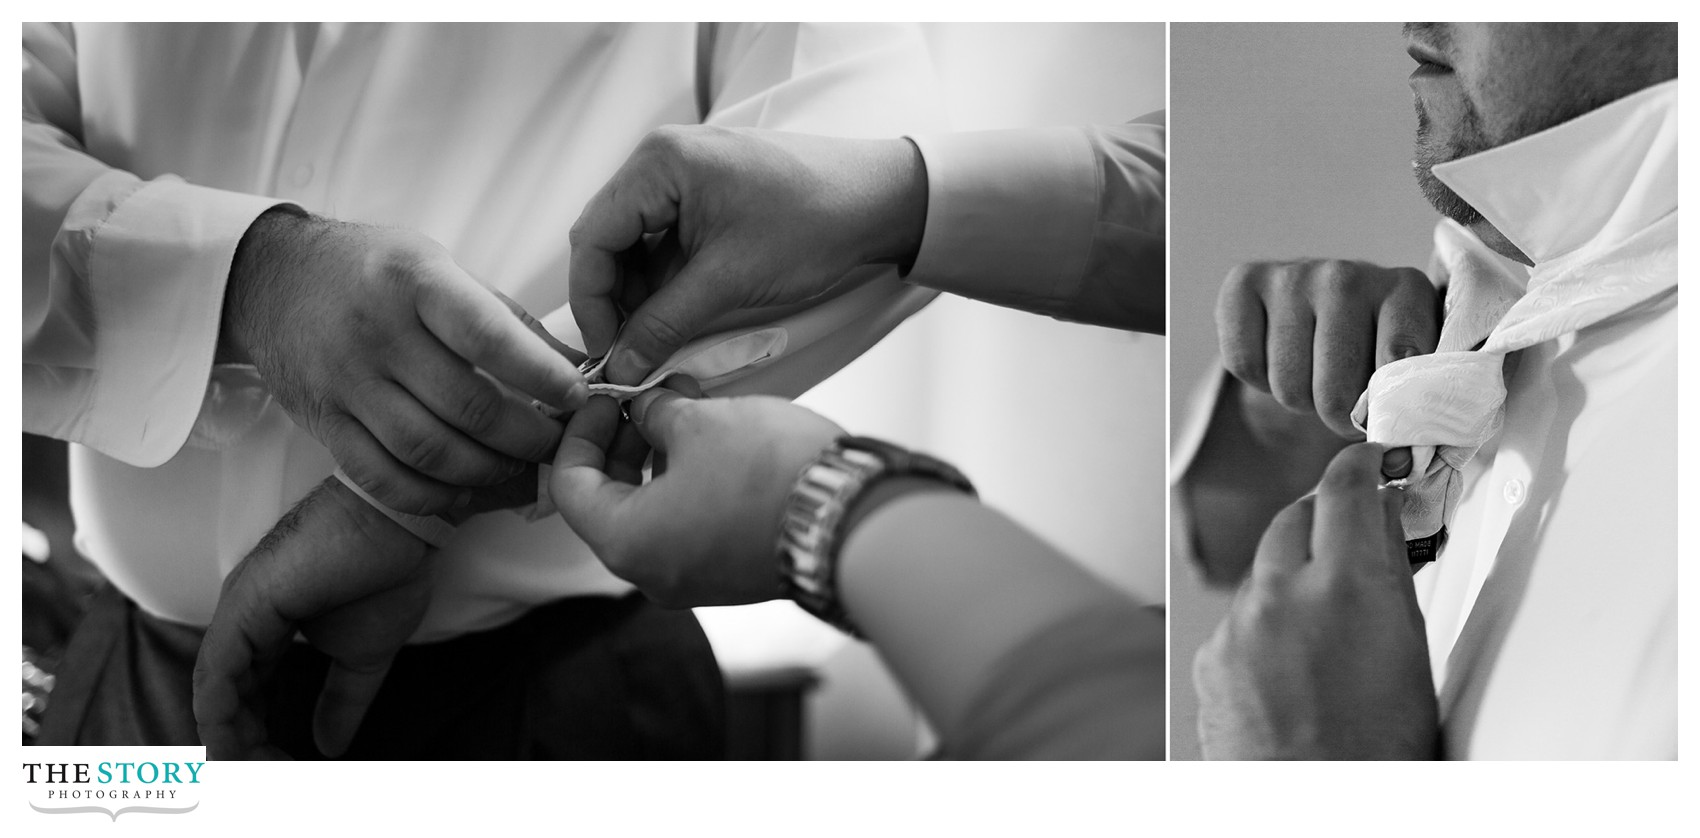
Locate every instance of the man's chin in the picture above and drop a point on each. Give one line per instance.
(1443, 199)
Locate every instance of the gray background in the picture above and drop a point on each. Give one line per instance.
(1286, 141)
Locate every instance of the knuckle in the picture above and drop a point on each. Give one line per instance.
(667, 140)
(1335, 404)
(1240, 360)
(481, 410)
(576, 233)
(1292, 398)
(1246, 274)
(427, 452)
(1247, 279)
(661, 332)
(1333, 277)
(1411, 279)
(386, 487)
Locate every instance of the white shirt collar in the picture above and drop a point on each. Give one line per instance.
(1592, 181)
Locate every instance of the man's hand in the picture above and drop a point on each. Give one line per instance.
(1323, 654)
(706, 531)
(761, 219)
(1311, 333)
(384, 349)
(352, 581)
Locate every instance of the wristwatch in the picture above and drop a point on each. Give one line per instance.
(820, 501)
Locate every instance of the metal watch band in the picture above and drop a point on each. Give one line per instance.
(825, 491)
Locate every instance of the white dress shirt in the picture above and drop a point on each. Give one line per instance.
(1551, 614)
(142, 169)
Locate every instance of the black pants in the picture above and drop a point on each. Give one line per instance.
(580, 678)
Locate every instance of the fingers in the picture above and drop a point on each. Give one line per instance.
(627, 454)
(473, 403)
(536, 327)
(1240, 326)
(673, 315)
(587, 497)
(1291, 337)
(477, 326)
(1393, 508)
(1350, 511)
(243, 635)
(685, 386)
(1396, 463)
(371, 466)
(659, 414)
(1408, 322)
(1285, 545)
(421, 441)
(347, 693)
(631, 203)
(1342, 348)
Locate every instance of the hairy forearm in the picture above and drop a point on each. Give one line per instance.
(254, 262)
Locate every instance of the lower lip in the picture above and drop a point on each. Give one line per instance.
(1427, 70)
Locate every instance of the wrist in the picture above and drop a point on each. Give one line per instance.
(884, 492)
(850, 479)
(256, 252)
(900, 203)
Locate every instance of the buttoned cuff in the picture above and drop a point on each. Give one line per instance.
(1010, 214)
(158, 261)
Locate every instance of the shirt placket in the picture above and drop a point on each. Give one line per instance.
(1528, 417)
(333, 83)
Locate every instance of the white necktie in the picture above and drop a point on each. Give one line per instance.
(1446, 405)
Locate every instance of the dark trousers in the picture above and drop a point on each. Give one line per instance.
(579, 678)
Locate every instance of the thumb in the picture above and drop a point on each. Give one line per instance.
(348, 692)
(659, 415)
(1396, 463)
(677, 312)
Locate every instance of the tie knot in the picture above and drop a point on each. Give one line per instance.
(1447, 398)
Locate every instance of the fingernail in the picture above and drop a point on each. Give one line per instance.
(630, 365)
(577, 395)
(637, 408)
(1396, 464)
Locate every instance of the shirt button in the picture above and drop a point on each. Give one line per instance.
(1514, 491)
(302, 175)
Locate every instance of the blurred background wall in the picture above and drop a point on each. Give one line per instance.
(983, 387)
(1290, 140)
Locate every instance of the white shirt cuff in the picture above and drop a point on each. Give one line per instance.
(157, 266)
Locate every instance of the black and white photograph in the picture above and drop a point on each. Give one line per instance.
(464, 391)
(474, 426)
(1424, 395)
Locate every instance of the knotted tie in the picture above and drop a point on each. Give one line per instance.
(1445, 406)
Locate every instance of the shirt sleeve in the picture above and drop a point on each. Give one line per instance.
(1089, 687)
(1067, 222)
(123, 278)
